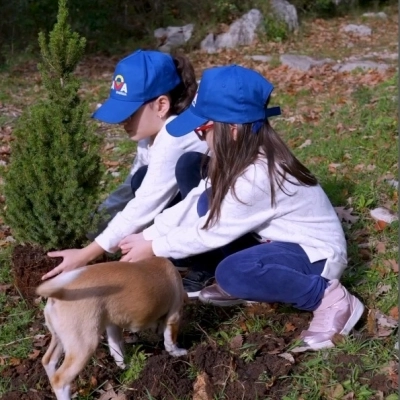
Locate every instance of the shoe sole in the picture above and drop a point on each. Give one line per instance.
(221, 303)
(350, 324)
(354, 317)
(193, 295)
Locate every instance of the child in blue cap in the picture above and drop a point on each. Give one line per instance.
(279, 236)
(148, 90)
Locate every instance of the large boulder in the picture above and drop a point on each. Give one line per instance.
(240, 33)
(173, 36)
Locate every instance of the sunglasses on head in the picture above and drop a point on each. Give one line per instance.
(202, 129)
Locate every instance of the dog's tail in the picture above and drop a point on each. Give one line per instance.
(55, 287)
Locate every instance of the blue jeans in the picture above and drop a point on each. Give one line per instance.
(273, 272)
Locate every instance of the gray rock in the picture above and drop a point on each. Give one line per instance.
(304, 63)
(173, 36)
(208, 44)
(241, 32)
(364, 65)
(259, 58)
(375, 15)
(361, 30)
(286, 12)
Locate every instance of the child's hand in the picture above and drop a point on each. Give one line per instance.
(72, 258)
(136, 248)
(128, 242)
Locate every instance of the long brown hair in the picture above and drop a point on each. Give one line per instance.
(231, 158)
(183, 94)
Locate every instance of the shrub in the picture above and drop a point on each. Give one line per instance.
(52, 184)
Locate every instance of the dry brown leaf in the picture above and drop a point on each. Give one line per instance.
(371, 323)
(4, 288)
(14, 361)
(112, 163)
(34, 355)
(344, 214)
(348, 396)
(334, 392)
(289, 327)
(385, 324)
(383, 289)
(333, 167)
(393, 265)
(380, 247)
(337, 338)
(236, 342)
(394, 313)
(202, 388)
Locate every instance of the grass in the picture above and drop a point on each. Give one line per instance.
(352, 128)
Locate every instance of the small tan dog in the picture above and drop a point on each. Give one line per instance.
(87, 301)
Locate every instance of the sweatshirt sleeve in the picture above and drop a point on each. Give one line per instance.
(158, 188)
(183, 213)
(240, 214)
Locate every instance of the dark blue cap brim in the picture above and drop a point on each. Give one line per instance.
(185, 123)
(115, 111)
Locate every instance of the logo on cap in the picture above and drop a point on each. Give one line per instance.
(119, 85)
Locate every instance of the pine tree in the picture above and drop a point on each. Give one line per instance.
(52, 185)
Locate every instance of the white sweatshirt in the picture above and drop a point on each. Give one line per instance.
(158, 188)
(306, 217)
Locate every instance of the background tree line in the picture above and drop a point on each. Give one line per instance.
(109, 25)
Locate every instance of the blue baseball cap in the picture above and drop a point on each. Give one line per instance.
(231, 94)
(138, 78)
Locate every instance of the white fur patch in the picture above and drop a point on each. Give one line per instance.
(67, 277)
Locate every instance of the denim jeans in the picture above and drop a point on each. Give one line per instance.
(273, 272)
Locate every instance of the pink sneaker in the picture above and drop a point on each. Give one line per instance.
(338, 312)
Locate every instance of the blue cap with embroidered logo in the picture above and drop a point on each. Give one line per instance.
(138, 78)
(231, 94)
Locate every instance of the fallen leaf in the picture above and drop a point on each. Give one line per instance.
(394, 313)
(289, 327)
(93, 381)
(380, 225)
(393, 265)
(385, 320)
(348, 396)
(383, 289)
(333, 167)
(202, 389)
(34, 355)
(371, 323)
(4, 288)
(236, 342)
(14, 361)
(305, 144)
(380, 247)
(112, 163)
(344, 214)
(334, 392)
(383, 214)
(337, 338)
(287, 356)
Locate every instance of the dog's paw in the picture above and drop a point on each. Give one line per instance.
(177, 352)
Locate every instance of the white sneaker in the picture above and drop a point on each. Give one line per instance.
(338, 312)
